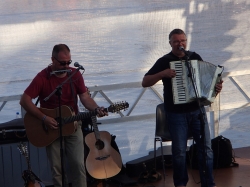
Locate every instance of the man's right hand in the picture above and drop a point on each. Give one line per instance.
(168, 73)
(51, 123)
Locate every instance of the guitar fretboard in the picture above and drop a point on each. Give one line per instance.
(83, 115)
(96, 131)
(79, 116)
(24, 151)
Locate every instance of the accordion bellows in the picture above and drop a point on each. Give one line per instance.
(204, 75)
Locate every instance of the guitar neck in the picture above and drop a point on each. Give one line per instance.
(83, 115)
(24, 151)
(96, 131)
(28, 162)
(79, 116)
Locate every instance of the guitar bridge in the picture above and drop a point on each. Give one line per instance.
(102, 157)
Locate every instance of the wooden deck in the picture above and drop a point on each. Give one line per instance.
(225, 177)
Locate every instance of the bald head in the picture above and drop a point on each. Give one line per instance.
(60, 48)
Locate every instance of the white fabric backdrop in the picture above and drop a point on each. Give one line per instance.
(118, 41)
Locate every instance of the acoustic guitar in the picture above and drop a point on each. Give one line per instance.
(30, 179)
(103, 161)
(40, 136)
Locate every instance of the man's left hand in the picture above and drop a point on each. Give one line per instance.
(101, 112)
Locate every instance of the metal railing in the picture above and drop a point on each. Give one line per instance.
(102, 90)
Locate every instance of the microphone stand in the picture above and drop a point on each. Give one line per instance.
(201, 115)
(58, 92)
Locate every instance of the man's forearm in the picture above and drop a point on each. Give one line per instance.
(150, 80)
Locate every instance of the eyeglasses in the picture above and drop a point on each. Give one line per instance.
(181, 41)
(63, 63)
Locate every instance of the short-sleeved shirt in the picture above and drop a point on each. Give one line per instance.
(44, 84)
(162, 64)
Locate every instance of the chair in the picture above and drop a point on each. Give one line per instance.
(162, 133)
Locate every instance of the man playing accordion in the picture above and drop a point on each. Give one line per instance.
(183, 118)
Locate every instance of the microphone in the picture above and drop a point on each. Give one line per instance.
(76, 64)
(181, 48)
(60, 71)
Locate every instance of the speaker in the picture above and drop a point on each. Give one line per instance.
(135, 167)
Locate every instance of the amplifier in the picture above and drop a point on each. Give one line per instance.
(135, 167)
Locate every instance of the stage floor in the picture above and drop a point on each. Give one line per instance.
(225, 177)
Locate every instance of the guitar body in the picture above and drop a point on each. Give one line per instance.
(34, 184)
(36, 132)
(102, 163)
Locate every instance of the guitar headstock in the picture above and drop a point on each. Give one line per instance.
(118, 106)
(22, 147)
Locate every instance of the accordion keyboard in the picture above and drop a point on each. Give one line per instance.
(179, 82)
(204, 77)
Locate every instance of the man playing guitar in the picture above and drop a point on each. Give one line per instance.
(42, 86)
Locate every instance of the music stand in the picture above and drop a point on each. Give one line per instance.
(58, 92)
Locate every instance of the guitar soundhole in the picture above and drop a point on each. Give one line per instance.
(99, 144)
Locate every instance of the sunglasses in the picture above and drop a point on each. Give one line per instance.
(63, 63)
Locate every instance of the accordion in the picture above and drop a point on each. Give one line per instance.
(205, 76)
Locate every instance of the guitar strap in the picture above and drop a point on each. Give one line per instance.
(37, 101)
(72, 89)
